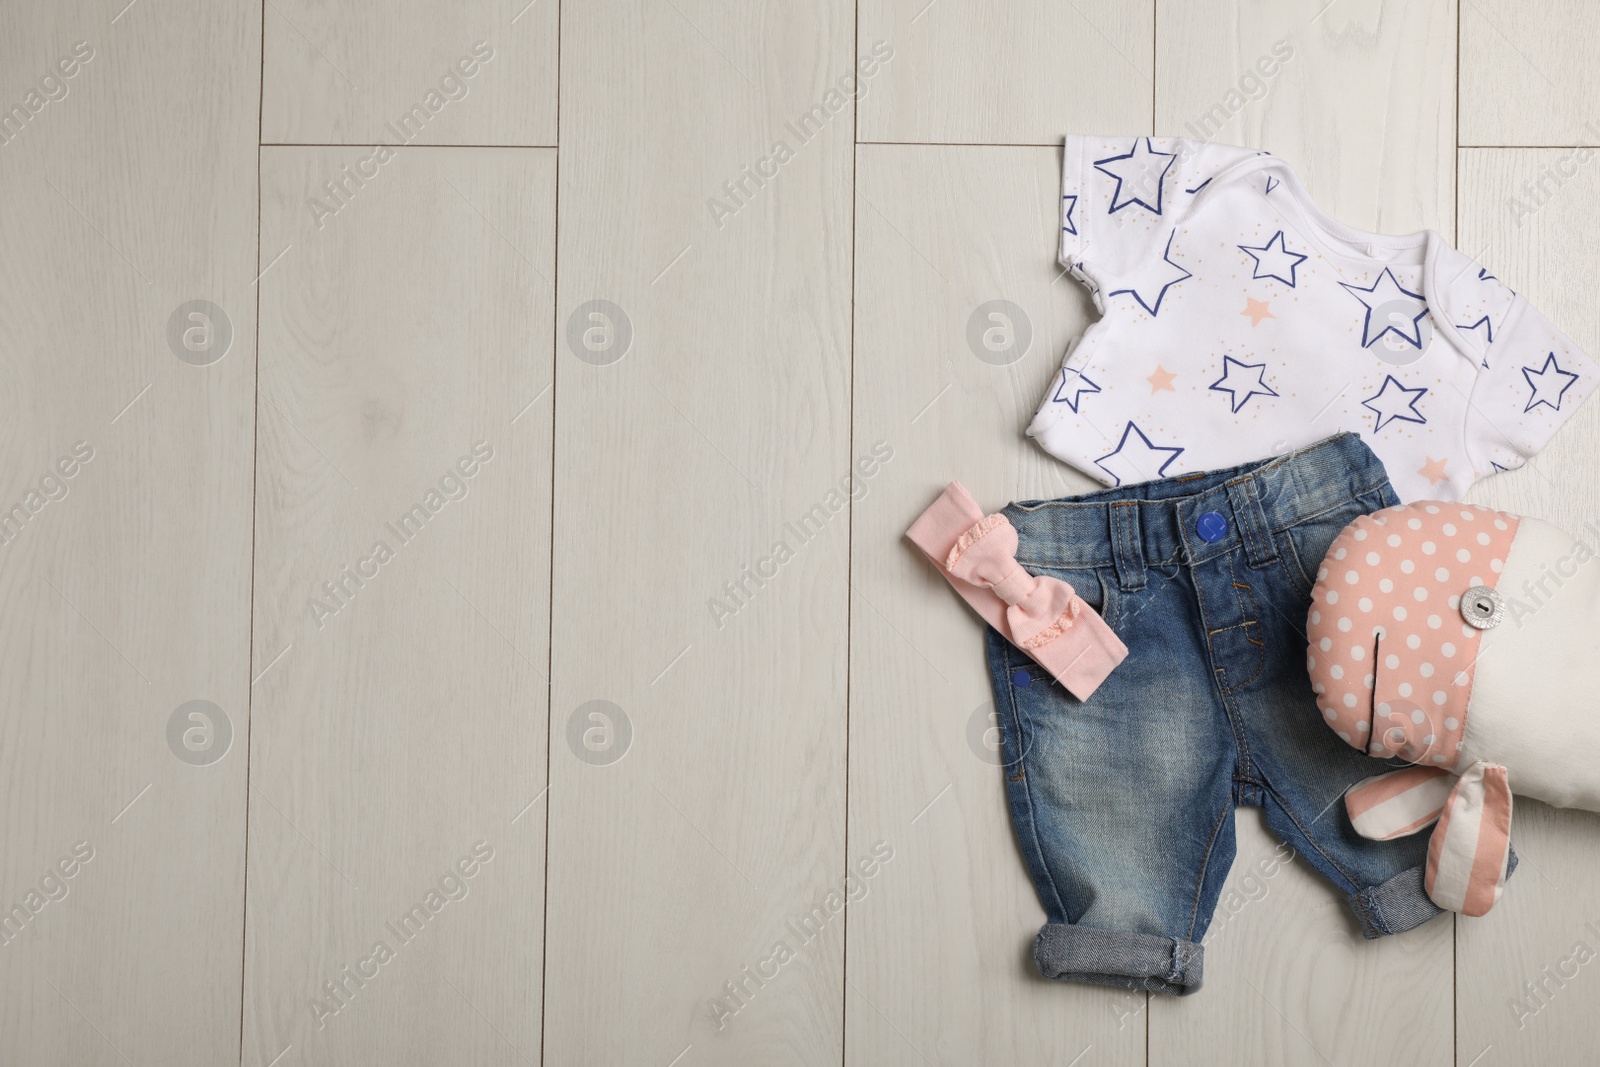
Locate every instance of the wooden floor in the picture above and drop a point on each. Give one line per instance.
(458, 640)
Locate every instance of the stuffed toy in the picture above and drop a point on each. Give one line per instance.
(1462, 641)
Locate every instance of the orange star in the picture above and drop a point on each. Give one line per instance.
(1161, 379)
(1433, 470)
(1256, 310)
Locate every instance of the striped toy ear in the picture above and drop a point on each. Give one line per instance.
(1399, 803)
(1467, 854)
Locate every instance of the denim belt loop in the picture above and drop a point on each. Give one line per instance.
(1259, 547)
(1127, 545)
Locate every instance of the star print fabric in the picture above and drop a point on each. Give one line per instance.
(1240, 321)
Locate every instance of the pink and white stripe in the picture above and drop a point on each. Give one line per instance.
(1399, 803)
(1467, 854)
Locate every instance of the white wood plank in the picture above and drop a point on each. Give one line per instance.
(481, 72)
(1527, 73)
(1015, 73)
(1549, 906)
(1285, 977)
(400, 724)
(1364, 109)
(130, 188)
(940, 963)
(680, 864)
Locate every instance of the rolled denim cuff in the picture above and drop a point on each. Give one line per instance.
(1111, 957)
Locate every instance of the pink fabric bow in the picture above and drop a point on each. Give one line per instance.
(1041, 615)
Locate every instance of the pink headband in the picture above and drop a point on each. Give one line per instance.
(1041, 615)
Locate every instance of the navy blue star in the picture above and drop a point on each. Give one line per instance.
(1168, 284)
(1272, 262)
(1414, 305)
(1137, 169)
(1137, 458)
(1082, 386)
(1394, 402)
(1488, 328)
(1240, 383)
(1071, 200)
(1552, 381)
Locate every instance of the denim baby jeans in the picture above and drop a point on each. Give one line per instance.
(1123, 803)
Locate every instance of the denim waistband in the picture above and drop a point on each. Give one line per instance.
(1155, 522)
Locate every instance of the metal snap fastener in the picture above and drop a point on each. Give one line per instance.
(1212, 526)
(1482, 607)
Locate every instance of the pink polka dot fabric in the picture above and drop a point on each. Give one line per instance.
(1390, 657)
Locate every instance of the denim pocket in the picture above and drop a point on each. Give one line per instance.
(1305, 544)
(1092, 585)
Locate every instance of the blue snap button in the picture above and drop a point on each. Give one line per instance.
(1022, 678)
(1212, 526)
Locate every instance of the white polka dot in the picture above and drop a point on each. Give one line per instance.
(1329, 714)
(1361, 727)
(1404, 689)
(1385, 585)
(1349, 700)
(1432, 509)
(1429, 548)
(1414, 524)
(1318, 687)
(1365, 604)
(1419, 594)
(1394, 540)
(1316, 616)
(1461, 678)
(1322, 572)
(1351, 577)
(1439, 697)
(1406, 566)
(1463, 555)
(1499, 524)
(1454, 602)
(1448, 649)
(1344, 625)
(1449, 530)
(1339, 553)
(1426, 670)
(1467, 631)
(1372, 559)
(1367, 681)
(1416, 716)
(1360, 534)
(1451, 723)
(1357, 652)
(1311, 663)
(1399, 614)
(1336, 672)
(1495, 565)
(1325, 644)
(1375, 750)
(1438, 759)
(1483, 539)
(1383, 710)
(1434, 622)
(1391, 661)
(1430, 739)
(1333, 596)
(1468, 516)
(1441, 575)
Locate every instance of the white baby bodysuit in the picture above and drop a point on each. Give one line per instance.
(1239, 321)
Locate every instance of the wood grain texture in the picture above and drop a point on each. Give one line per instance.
(1525, 988)
(400, 701)
(351, 73)
(125, 578)
(1527, 73)
(1016, 73)
(685, 461)
(1364, 110)
(940, 961)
